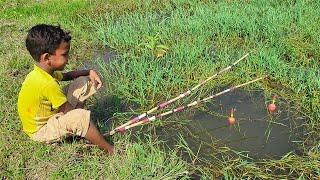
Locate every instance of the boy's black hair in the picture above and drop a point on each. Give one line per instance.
(44, 38)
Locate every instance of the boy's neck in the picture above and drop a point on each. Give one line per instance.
(45, 68)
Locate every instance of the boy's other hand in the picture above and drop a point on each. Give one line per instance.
(95, 79)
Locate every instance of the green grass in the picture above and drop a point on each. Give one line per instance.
(282, 37)
(202, 37)
(21, 158)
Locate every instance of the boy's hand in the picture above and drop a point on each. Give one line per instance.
(95, 79)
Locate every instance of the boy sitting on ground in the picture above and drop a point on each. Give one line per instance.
(47, 114)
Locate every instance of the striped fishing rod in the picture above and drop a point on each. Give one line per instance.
(165, 104)
(178, 109)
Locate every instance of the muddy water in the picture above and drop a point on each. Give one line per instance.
(257, 133)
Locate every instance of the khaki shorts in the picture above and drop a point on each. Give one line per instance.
(74, 122)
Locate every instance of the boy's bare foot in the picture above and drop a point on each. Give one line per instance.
(94, 136)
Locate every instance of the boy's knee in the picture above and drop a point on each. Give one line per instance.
(79, 90)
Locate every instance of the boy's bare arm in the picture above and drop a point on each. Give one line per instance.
(66, 107)
(75, 74)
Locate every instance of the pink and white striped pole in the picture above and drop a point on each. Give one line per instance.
(164, 104)
(180, 108)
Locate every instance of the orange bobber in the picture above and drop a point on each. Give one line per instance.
(231, 119)
(272, 107)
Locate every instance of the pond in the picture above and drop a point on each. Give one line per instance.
(256, 133)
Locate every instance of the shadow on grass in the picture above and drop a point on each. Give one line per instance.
(104, 108)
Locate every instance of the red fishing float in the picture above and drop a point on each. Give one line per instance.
(231, 119)
(272, 107)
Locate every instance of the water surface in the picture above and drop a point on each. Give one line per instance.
(256, 133)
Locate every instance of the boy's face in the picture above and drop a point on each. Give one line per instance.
(59, 60)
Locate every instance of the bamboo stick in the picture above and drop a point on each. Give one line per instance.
(188, 92)
(181, 108)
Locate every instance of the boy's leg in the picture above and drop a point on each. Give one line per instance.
(95, 137)
(75, 122)
(78, 91)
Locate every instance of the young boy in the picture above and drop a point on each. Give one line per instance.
(46, 113)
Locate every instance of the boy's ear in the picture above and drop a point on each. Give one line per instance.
(44, 58)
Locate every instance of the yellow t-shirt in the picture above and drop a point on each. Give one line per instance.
(39, 99)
